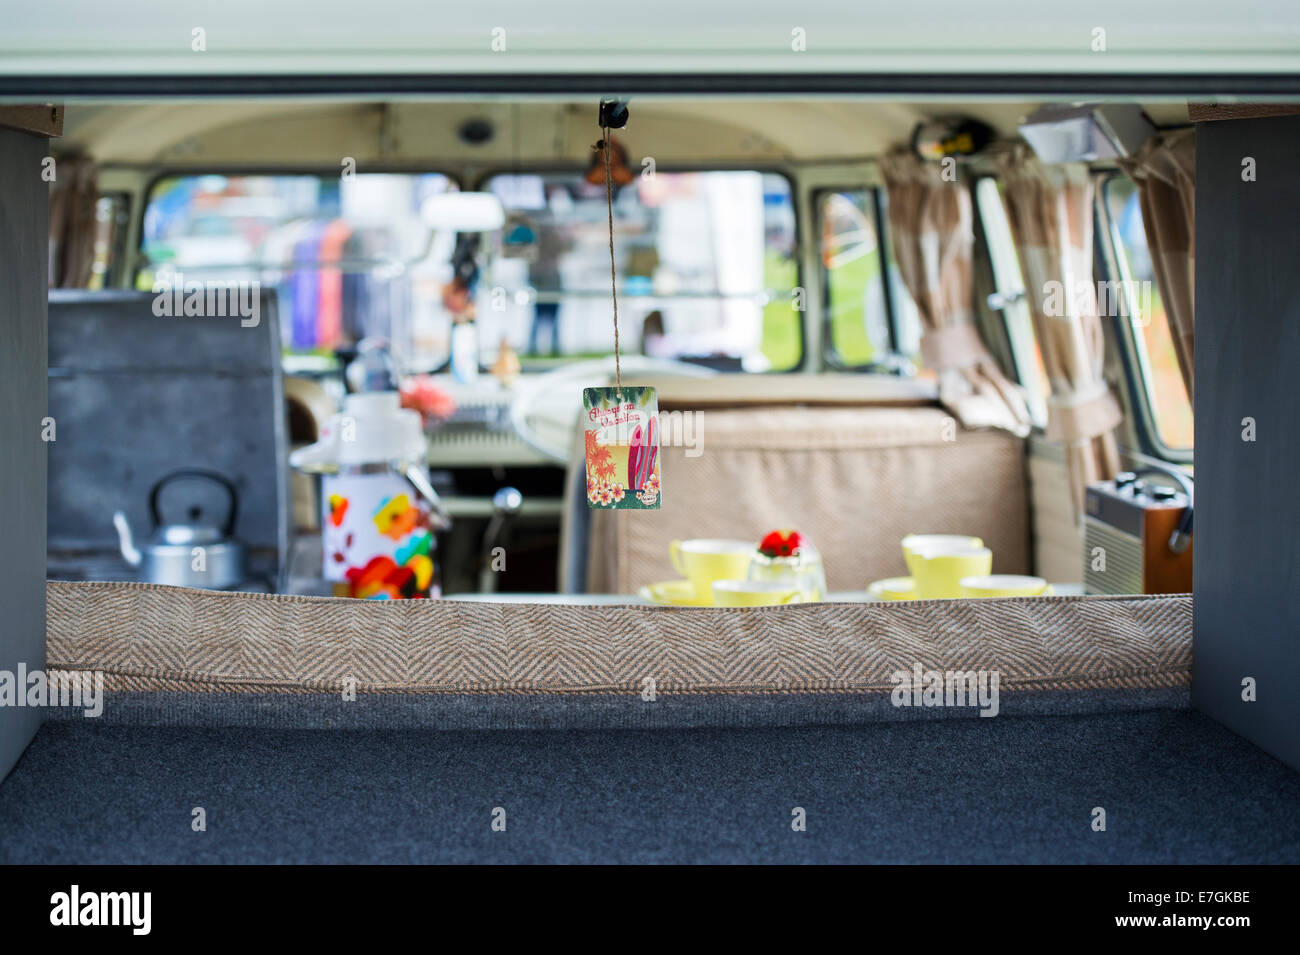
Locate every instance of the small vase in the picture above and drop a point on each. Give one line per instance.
(803, 572)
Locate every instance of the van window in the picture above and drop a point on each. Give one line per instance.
(1156, 363)
(707, 268)
(862, 330)
(348, 254)
(1009, 297)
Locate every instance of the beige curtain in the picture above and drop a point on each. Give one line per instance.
(1165, 173)
(73, 195)
(930, 226)
(1051, 213)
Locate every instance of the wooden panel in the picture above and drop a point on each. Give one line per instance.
(1247, 572)
(1208, 112)
(45, 119)
(1163, 571)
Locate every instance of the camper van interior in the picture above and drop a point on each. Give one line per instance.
(776, 285)
(649, 462)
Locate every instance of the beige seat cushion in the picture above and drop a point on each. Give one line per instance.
(147, 638)
(854, 480)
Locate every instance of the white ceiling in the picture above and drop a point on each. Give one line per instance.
(252, 132)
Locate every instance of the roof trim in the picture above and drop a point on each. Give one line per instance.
(1023, 85)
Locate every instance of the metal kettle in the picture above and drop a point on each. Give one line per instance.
(187, 555)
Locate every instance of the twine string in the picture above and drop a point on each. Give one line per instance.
(613, 280)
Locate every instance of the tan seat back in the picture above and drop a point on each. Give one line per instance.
(854, 480)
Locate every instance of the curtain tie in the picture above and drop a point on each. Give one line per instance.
(1083, 414)
(954, 346)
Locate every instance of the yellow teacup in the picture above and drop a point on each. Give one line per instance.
(914, 544)
(939, 571)
(754, 593)
(1003, 585)
(702, 561)
(893, 588)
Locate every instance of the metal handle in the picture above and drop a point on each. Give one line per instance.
(440, 518)
(997, 301)
(231, 492)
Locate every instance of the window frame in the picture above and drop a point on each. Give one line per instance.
(1112, 261)
(895, 363)
(486, 173)
(1020, 362)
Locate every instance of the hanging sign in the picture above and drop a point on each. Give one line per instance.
(622, 435)
(622, 424)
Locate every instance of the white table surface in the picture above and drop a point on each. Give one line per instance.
(599, 600)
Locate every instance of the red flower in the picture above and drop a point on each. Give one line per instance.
(782, 543)
(421, 394)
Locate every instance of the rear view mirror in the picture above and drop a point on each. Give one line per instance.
(463, 212)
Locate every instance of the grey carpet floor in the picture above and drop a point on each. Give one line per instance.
(1176, 788)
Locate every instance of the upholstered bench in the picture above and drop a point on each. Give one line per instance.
(175, 655)
(855, 480)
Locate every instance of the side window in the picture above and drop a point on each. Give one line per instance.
(1152, 346)
(1009, 297)
(870, 317)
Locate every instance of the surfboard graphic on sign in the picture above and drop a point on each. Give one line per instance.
(622, 434)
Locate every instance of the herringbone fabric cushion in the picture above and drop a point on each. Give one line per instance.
(146, 637)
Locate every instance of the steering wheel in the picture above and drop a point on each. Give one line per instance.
(546, 406)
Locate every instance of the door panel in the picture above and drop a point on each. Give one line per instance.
(24, 221)
(1058, 541)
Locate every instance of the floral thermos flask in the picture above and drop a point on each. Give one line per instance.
(379, 513)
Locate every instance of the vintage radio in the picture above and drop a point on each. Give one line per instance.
(1138, 534)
